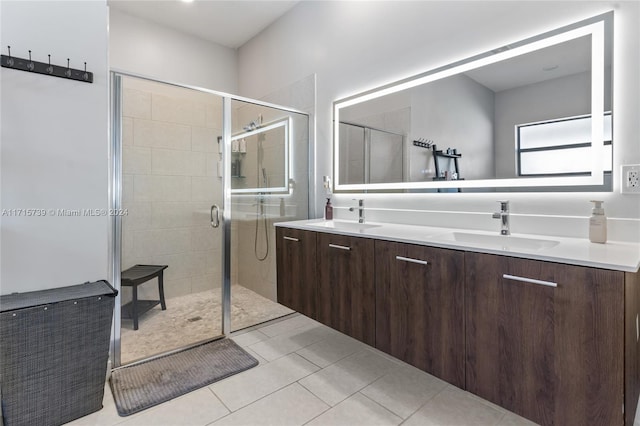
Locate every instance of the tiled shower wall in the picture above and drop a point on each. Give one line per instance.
(170, 155)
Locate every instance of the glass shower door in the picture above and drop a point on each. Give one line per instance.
(269, 184)
(172, 191)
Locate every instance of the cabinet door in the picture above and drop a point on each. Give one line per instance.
(296, 266)
(553, 354)
(419, 307)
(346, 291)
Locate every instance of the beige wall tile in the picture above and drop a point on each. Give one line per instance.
(213, 114)
(178, 287)
(138, 217)
(158, 134)
(211, 160)
(136, 160)
(136, 103)
(177, 110)
(170, 214)
(155, 242)
(171, 162)
(205, 238)
(197, 164)
(205, 189)
(127, 131)
(205, 139)
(127, 188)
(205, 262)
(179, 265)
(162, 188)
(206, 282)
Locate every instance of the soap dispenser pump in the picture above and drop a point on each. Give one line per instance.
(597, 223)
(328, 210)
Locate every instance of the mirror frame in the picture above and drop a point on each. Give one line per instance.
(598, 27)
(286, 123)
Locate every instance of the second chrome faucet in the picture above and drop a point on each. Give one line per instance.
(503, 215)
(360, 210)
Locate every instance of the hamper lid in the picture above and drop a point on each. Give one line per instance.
(13, 301)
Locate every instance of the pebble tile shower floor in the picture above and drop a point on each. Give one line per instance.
(192, 318)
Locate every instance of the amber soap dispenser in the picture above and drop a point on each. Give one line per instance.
(328, 210)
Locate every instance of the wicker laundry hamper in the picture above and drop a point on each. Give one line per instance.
(54, 348)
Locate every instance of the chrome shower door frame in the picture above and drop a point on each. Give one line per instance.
(115, 198)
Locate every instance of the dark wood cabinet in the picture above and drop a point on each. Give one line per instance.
(546, 340)
(420, 309)
(346, 288)
(555, 343)
(296, 269)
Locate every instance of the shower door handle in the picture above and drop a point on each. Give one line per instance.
(215, 220)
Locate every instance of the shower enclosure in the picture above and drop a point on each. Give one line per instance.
(200, 178)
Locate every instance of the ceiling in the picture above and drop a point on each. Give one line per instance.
(563, 59)
(225, 22)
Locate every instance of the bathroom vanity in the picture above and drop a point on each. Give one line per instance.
(546, 328)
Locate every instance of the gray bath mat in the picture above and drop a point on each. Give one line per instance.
(153, 382)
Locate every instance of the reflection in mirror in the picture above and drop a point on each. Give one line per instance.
(260, 157)
(519, 116)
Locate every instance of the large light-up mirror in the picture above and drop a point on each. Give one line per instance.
(260, 158)
(531, 115)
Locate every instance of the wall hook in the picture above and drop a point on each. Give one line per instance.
(30, 65)
(10, 59)
(46, 68)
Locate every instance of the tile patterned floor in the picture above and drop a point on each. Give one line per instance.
(312, 375)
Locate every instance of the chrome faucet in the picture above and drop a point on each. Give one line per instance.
(360, 210)
(503, 215)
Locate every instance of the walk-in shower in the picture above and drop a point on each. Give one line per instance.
(172, 155)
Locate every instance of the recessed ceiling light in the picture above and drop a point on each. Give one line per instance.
(187, 1)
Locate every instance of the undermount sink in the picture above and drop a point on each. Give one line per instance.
(502, 242)
(347, 226)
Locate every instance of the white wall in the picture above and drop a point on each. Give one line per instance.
(148, 49)
(355, 46)
(456, 113)
(54, 143)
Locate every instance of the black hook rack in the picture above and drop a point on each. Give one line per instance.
(30, 65)
(423, 143)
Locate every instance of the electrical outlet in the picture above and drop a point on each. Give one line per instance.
(630, 179)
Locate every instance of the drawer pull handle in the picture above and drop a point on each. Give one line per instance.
(530, 280)
(291, 238)
(408, 259)
(336, 246)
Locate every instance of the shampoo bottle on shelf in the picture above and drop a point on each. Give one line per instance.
(328, 210)
(597, 223)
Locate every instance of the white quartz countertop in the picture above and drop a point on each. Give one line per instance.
(619, 256)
